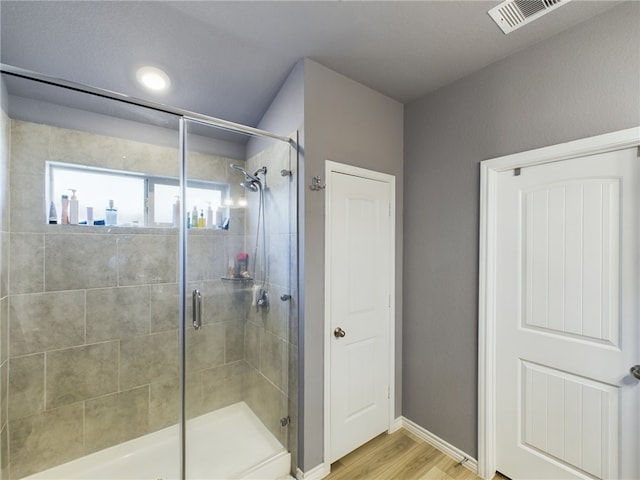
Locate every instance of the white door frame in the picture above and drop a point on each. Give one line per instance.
(331, 167)
(489, 170)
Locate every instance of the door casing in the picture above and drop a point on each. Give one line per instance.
(331, 166)
(489, 170)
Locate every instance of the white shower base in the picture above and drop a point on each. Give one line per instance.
(230, 443)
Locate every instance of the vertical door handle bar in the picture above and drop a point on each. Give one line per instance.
(197, 309)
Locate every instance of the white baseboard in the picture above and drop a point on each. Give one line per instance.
(396, 425)
(445, 447)
(316, 473)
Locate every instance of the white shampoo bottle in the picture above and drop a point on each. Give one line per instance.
(73, 208)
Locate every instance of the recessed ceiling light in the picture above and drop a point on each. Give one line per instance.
(153, 79)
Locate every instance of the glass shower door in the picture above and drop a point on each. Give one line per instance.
(240, 231)
(91, 312)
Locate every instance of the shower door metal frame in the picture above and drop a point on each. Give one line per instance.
(184, 117)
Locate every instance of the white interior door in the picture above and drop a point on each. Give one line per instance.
(567, 319)
(359, 288)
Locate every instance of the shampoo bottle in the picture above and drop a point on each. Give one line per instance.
(219, 214)
(111, 214)
(201, 219)
(65, 210)
(53, 215)
(176, 212)
(73, 208)
(209, 222)
(89, 215)
(194, 218)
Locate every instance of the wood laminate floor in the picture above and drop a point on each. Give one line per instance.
(399, 456)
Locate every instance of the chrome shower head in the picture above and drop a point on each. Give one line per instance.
(245, 173)
(251, 185)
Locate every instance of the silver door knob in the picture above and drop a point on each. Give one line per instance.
(339, 333)
(635, 371)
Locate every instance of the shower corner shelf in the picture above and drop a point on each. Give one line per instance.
(237, 280)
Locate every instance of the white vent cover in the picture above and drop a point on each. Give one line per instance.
(513, 14)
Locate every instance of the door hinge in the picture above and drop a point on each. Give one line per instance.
(516, 172)
(389, 209)
(638, 152)
(388, 393)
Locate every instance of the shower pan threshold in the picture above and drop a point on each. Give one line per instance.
(229, 443)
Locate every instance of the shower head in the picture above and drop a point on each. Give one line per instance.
(245, 173)
(251, 183)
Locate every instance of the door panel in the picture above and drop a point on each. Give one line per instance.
(359, 287)
(567, 319)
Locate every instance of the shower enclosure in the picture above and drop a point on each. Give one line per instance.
(161, 344)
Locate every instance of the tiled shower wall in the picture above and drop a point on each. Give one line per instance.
(4, 287)
(93, 312)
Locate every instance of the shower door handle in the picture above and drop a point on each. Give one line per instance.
(197, 309)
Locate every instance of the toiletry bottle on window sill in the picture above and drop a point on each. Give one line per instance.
(111, 214)
(73, 208)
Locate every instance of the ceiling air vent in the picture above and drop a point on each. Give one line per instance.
(513, 14)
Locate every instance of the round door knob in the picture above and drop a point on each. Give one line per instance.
(339, 333)
(635, 371)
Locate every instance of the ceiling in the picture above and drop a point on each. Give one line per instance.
(228, 59)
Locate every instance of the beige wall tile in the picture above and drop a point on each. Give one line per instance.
(4, 390)
(5, 141)
(205, 347)
(27, 263)
(80, 373)
(144, 259)
(149, 359)
(42, 441)
(28, 207)
(201, 166)
(26, 386)
(224, 301)
(275, 318)
(71, 146)
(206, 259)
(116, 418)
(4, 453)
(151, 159)
(223, 386)
(279, 258)
(4, 329)
(75, 261)
(114, 313)
(29, 147)
(164, 405)
(252, 344)
(233, 342)
(268, 403)
(274, 362)
(164, 303)
(4, 264)
(45, 321)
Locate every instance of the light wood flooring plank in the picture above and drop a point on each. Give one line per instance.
(399, 456)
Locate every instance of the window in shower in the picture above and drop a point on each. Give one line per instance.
(141, 200)
(163, 193)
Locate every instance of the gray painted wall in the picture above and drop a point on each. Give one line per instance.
(341, 120)
(582, 82)
(349, 123)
